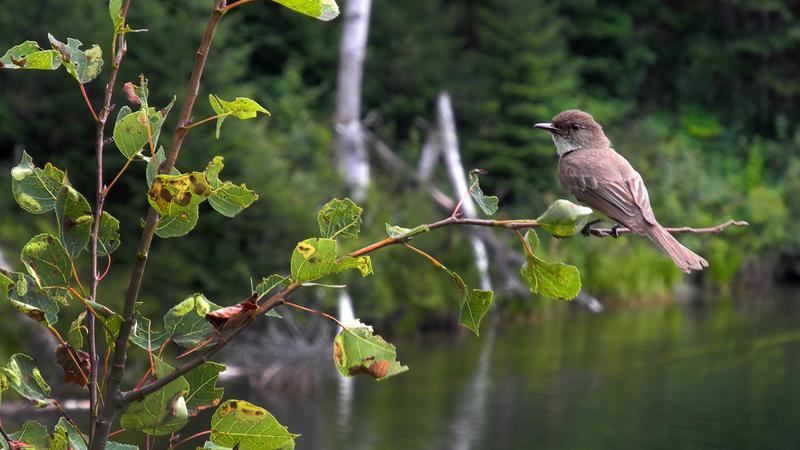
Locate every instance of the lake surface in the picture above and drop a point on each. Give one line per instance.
(722, 375)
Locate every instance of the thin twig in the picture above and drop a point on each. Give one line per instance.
(606, 232)
(200, 122)
(69, 419)
(116, 178)
(183, 441)
(234, 5)
(315, 311)
(425, 255)
(88, 103)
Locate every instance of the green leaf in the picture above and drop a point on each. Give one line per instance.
(36, 189)
(115, 12)
(48, 263)
(74, 439)
(488, 204)
(76, 330)
(340, 217)
(557, 280)
(23, 293)
(131, 133)
(29, 55)
(145, 336)
(318, 9)
(315, 258)
(396, 231)
(203, 391)
(111, 322)
(474, 309)
(84, 66)
(179, 225)
(58, 439)
(108, 239)
(25, 378)
(532, 238)
(186, 321)
(74, 220)
(227, 198)
(358, 350)
(271, 282)
(241, 108)
(237, 422)
(564, 218)
(154, 164)
(31, 433)
(177, 195)
(162, 412)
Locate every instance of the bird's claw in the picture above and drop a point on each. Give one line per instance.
(587, 229)
(615, 231)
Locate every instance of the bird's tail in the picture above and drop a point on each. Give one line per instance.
(685, 259)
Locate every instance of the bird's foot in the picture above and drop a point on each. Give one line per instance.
(615, 231)
(587, 229)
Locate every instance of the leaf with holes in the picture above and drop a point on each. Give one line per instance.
(556, 280)
(340, 218)
(25, 295)
(241, 108)
(357, 350)
(74, 220)
(162, 412)
(48, 263)
(564, 218)
(186, 321)
(24, 377)
(239, 423)
(488, 204)
(318, 9)
(203, 391)
(35, 189)
(474, 308)
(227, 198)
(28, 55)
(315, 258)
(83, 65)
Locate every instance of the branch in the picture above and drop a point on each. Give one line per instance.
(606, 232)
(98, 214)
(280, 297)
(113, 391)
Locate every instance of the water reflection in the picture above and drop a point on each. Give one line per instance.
(720, 375)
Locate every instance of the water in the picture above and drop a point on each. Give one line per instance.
(723, 375)
(720, 375)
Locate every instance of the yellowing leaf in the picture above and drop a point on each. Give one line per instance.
(317, 257)
(35, 189)
(241, 108)
(237, 423)
(318, 9)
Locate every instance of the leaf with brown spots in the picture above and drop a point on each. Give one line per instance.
(317, 257)
(28, 55)
(242, 424)
(357, 350)
(66, 357)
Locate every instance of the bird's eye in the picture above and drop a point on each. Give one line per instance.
(576, 126)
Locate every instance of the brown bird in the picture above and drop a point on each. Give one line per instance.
(603, 179)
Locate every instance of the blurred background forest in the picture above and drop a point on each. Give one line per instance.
(703, 98)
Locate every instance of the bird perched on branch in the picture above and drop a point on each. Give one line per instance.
(603, 179)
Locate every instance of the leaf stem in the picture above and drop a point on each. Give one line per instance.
(315, 311)
(107, 189)
(88, 103)
(234, 5)
(77, 279)
(183, 441)
(425, 255)
(200, 122)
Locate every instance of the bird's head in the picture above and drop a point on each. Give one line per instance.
(575, 130)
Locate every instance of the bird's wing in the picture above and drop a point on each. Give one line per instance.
(623, 199)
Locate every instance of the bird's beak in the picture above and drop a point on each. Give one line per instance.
(547, 126)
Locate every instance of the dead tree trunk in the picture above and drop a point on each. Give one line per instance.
(452, 157)
(350, 151)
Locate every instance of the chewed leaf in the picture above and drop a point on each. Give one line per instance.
(25, 295)
(242, 425)
(48, 263)
(340, 218)
(357, 350)
(396, 231)
(24, 377)
(227, 198)
(474, 309)
(488, 204)
(74, 220)
(315, 258)
(564, 218)
(35, 189)
(203, 390)
(83, 65)
(318, 9)
(186, 321)
(28, 55)
(162, 412)
(556, 280)
(241, 108)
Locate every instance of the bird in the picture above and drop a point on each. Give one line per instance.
(598, 176)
